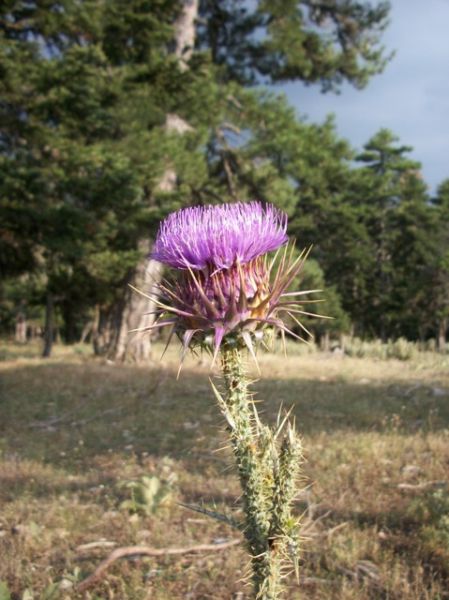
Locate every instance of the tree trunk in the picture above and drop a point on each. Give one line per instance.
(33, 331)
(325, 342)
(137, 345)
(442, 328)
(106, 323)
(20, 335)
(87, 330)
(70, 317)
(185, 32)
(112, 335)
(49, 326)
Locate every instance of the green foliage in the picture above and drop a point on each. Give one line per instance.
(432, 514)
(374, 230)
(398, 220)
(51, 592)
(400, 349)
(438, 265)
(83, 114)
(325, 300)
(329, 302)
(87, 89)
(4, 591)
(150, 493)
(285, 40)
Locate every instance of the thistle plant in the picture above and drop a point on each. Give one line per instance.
(227, 296)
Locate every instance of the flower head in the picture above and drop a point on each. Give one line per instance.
(219, 236)
(226, 285)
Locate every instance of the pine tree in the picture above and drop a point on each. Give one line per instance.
(88, 91)
(437, 289)
(412, 256)
(280, 40)
(380, 186)
(77, 163)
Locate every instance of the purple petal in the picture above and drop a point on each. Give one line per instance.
(219, 236)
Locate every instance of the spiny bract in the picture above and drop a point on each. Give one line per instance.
(226, 285)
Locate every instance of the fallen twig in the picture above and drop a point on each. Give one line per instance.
(98, 415)
(331, 531)
(98, 544)
(128, 551)
(66, 419)
(314, 581)
(425, 485)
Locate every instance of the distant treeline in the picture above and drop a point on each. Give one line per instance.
(113, 114)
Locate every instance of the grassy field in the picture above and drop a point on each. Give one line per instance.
(78, 434)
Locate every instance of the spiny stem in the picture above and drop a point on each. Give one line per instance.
(268, 474)
(244, 443)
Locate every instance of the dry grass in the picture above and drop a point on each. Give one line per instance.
(73, 430)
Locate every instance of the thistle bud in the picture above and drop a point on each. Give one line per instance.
(225, 285)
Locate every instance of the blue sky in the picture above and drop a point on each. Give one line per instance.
(411, 97)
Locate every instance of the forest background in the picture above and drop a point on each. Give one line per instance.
(113, 114)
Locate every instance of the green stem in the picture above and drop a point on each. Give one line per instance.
(254, 451)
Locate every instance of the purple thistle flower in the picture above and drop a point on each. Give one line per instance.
(226, 286)
(219, 236)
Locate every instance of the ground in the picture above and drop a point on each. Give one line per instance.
(78, 434)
